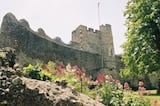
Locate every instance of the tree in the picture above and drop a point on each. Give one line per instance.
(142, 48)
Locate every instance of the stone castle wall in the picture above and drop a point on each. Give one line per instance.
(23, 39)
(89, 48)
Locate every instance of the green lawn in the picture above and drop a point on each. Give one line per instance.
(153, 98)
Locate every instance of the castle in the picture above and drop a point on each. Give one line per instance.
(96, 41)
(89, 48)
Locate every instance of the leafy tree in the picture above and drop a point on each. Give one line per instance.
(142, 48)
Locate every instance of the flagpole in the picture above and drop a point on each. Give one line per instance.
(99, 22)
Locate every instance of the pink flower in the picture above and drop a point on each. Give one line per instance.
(81, 72)
(75, 68)
(118, 81)
(101, 78)
(60, 70)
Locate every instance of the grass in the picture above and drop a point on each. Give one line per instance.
(153, 98)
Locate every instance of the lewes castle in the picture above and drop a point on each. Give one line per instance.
(89, 48)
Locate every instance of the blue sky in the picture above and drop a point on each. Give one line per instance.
(61, 17)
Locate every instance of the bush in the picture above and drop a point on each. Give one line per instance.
(32, 72)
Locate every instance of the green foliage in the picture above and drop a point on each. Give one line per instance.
(2, 55)
(117, 98)
(158, 90)
(44, 75)
(28, 69)
(106, 94)
(51, 65)
(127, 99)
(142, 48)
(32, 72)
(105, 88)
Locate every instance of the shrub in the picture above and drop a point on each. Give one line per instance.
(32, 72)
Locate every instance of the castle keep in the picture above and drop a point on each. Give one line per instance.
(96, 41)
(89, 48)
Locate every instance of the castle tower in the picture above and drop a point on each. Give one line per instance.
(96, 41)
(86, 39)
(107, 47)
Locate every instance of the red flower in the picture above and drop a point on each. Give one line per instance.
(46, 68)
(60, 70)
(80, 72)
(76, 68)
(101, 78)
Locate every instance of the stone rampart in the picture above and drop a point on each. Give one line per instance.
(17, 36)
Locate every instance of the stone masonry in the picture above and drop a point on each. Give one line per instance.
(89, 48)
(96, 41)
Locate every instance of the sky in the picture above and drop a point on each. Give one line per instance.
(61, 17)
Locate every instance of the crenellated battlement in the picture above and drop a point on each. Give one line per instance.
(106, 27)
(90, 29)
(85, 29)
